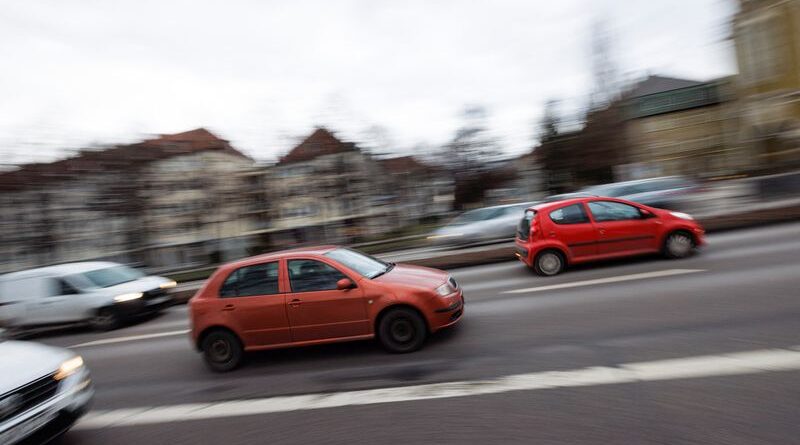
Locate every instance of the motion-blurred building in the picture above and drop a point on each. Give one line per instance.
(680, 127)
(418, 191)
(166, 201)
(767, 38)
(328, 190)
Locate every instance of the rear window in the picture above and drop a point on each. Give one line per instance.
(524, 226)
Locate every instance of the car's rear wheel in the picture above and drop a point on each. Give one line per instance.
(678, 245)
(106, 319)
(222, 351)
(402, 330)
(549, 263)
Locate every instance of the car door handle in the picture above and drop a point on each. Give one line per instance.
(296, 302)
(228, 307)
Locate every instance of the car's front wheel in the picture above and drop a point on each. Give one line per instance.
(402, 330)
(549, 263)
(222, 351)
(678, 245)
(106, 319)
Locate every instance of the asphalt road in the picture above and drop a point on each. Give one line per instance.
(644, 347)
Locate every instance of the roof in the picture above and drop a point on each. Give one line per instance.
(320, 143)
(405, 164)
(61, 269)
(118, 158)
(547, 205)
(660, 84)
(311, 250)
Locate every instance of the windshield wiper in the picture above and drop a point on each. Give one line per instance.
(389, 266)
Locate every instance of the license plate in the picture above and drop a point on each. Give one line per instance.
(27, 428)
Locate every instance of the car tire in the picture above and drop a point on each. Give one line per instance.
(222, 351)
(106, 319)
(549, 263)
(402, 330)
(678, 245)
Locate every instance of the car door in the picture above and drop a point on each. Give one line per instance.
(252, 300)
(621, 228)
(571, 225)
(317, 309)
(62, 303)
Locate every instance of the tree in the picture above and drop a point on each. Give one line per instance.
(472, 148)
(605, 76)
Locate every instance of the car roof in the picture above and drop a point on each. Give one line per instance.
(637, 181)
(60, 269)
(311, 250)
(502, 206)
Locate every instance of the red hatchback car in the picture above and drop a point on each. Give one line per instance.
(318, 295)
(550, 236)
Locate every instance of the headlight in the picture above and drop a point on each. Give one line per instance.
(168, 285)
(69, 367)
(127, 297)
(445, 289)
(681, 215)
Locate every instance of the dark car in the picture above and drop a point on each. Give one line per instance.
(669, 192)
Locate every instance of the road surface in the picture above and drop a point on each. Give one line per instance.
(645, 351)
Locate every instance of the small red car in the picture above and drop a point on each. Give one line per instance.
(550, 236)
(318, 295)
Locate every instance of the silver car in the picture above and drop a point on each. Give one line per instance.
(102, 293)
(43, 391)
(481, 225)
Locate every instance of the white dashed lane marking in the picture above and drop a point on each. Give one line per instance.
(740, 363)
(107, 341)
(631, 277)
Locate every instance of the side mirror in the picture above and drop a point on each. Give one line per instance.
(647, 214)
(345, 284)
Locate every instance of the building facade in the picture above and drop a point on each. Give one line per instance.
(766, 34)
(162, 202)
(681, 127)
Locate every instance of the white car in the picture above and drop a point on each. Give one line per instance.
(43, 391)
(101, 293)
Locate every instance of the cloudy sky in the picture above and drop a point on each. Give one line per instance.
(263, 73)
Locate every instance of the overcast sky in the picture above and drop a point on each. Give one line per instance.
(263, 73)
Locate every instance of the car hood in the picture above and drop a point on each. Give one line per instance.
(416, 276)
(141, 285)
(23, 362)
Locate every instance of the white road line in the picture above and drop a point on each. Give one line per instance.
(636, 276)
(107, 341)
(740, 363)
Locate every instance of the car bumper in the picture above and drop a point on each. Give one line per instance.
(699, 236)
(449, 313)
(140, 307)
(523, 253)
(52, 417)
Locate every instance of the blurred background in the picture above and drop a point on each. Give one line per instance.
(131, 135)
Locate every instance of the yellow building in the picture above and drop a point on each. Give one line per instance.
(680, 127)
(767, 38)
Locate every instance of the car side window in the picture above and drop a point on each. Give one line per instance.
(312, 276)
(571, 214)
(64, 288)
(248, 281)
(613, 211)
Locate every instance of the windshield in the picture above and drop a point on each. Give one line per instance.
(112, 276)
(365, 265)
(476, 215)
